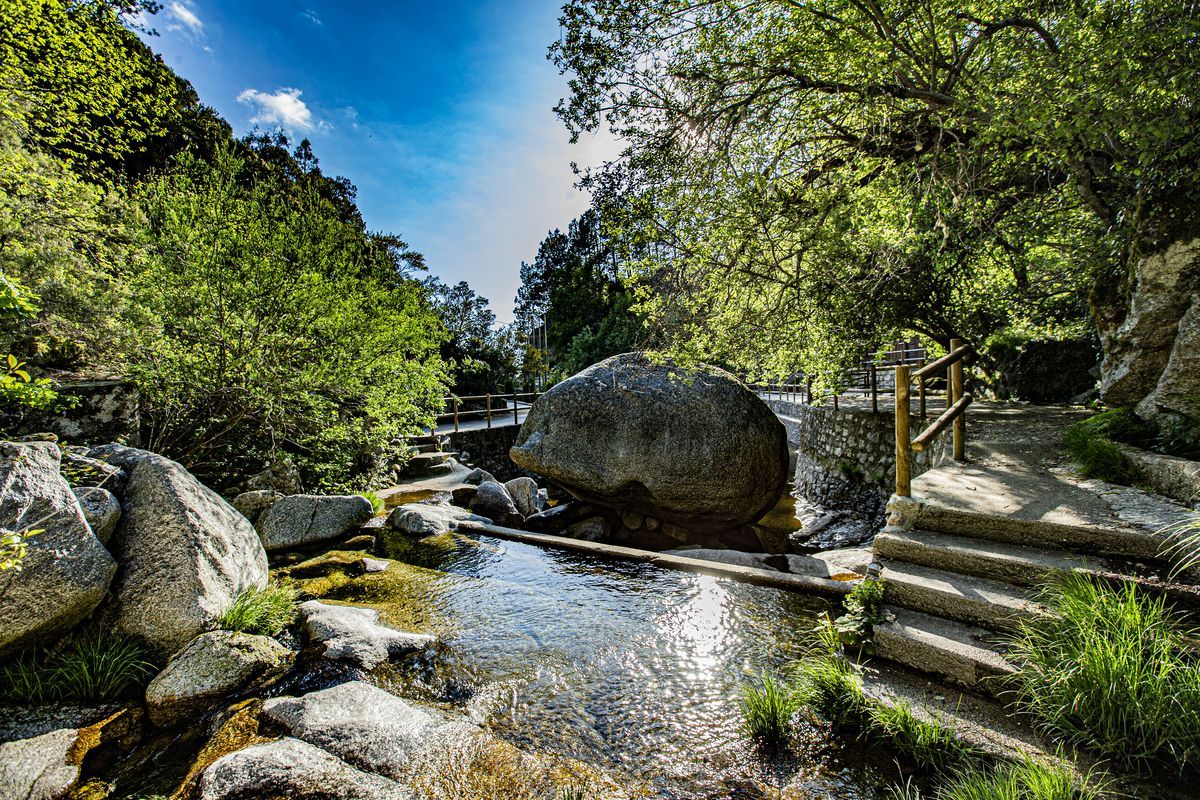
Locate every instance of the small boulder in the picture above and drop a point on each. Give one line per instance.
(185, 553)
(252, 504)
(428, 519)
(478, 476)
(67, 570)
(461, 496)
(354, 635)
(524, 494)
(211, 667)
(366, 726)
(281, 475)
(46, 763)
(558, 518)
(491, 500)
(305, 518)
(81, 470)
(293, 769)
(100, 508)
(593, 529)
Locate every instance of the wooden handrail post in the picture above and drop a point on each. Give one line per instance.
(874, 391)
(921, 391)
(903, 445)
(515, 420)
(489, 409)
(809, 401)
(960, 422)
(835, 401)
(454, 405)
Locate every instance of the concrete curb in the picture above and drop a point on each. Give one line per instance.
(758, 577)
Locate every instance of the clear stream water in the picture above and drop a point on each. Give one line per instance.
(630, 667)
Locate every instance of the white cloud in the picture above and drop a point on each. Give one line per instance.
(312, 17)
(184, 17)
(283, 107)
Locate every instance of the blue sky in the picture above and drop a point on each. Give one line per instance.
(439, 111)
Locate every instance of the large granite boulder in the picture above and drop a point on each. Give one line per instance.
(305, 518)
(695, 448)
(211, 667)
(1151, 336)
(366, 726)
(185, 553)
(66, 571)
(293, 769)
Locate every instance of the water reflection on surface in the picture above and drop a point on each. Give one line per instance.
(631, 667)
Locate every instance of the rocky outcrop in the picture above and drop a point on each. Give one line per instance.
(66, 571)
(253, 504)
(354, 635)
(101, 509)
(305, 518)
(211, 667)
(697, 449)
(185, 553)
(428, 519)
(366, 726)
(1152, 341)
(293, 769)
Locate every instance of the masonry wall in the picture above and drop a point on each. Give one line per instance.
(846, 459)
(487, 448)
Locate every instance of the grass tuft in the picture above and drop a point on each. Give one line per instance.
(376, 504)
(1183, 544)
(1111, 670)
(95, 666)
(768, 708)
(1023, 780)
(261, 611)
(931, 744)
(1097, 456)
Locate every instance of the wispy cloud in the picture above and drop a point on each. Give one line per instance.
(312, 17)
(282, 107)
(181, 16)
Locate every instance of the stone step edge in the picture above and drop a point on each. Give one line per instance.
(909, 586)
(951, 650)
(1014, 563)
(1126, 542)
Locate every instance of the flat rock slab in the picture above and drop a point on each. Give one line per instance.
(301, 519)
(429, 519)
(352, 634)
(367, 727)
(293, 769)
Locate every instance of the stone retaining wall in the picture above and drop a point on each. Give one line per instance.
(103, 411)
(846, 459)
(487, 448)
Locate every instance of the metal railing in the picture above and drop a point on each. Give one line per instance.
(955, 414)
(873, 378)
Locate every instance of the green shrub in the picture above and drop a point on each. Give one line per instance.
(767, 710)
(376, 503)
(1112, 671)
(1096, 455)
(864, 607)
(261, 611)
(1121, 425)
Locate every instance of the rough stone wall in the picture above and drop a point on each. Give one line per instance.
(846, 459)
(104, 411)
(487, 448)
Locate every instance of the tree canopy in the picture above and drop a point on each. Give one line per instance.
(813, 177)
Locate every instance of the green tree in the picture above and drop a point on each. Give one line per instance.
(483, 357)
(809, 177)
(277, 325)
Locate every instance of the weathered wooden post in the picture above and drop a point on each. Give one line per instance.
(489, 409)
(516, 421)
(454, 405)
(960, 422)
(874, 391)
(903, 446)
(809, 386)
(921, 390)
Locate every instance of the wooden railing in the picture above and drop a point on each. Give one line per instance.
(862, 381)
(456, 413)
(955, 413)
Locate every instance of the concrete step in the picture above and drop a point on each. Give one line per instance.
(967, 598)
(962, 654)
(1018, 564)
(1111, 540)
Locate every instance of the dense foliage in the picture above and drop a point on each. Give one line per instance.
(573, 296)
(231, 279)
(809, 177)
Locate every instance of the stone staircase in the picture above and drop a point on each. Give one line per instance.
(428, 459)
(962, 559)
